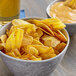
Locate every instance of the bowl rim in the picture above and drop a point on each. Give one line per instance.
(65, 49)
(49, 7)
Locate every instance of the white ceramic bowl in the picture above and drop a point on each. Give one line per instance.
(32, 68)
(71, 27)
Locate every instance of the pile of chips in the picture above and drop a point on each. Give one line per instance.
(34, 39)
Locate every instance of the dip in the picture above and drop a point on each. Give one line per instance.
(63, 12)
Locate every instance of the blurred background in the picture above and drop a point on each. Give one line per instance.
(37, 8)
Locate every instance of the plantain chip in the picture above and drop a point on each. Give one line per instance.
(27, 40)
(14, 40)
(60, 47)
(50, 41)
(11, 53)
(36, 42)
(16, 52)
(60, 36)
(38, 23)
(45, 31)
(32, 50)
(40, 32)
(20, 23)
(54, 23)
(42, 49)
(37, 59)
(10, 42)
(47, 56)
(18, 37)
(3, 38)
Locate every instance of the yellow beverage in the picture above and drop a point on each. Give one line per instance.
(9, 9)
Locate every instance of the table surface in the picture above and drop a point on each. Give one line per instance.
(37, 8)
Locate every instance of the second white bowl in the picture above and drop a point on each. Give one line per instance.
(71, 27)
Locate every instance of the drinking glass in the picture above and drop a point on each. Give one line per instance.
(9, 10)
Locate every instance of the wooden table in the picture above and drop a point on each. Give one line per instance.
(37, 8)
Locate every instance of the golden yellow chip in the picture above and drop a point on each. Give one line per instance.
(45, 35)
(30, 29)
(24, 25)
(8, 32)
(34, 35)
(50, 41)
(34, 21)
(47, 56)
(42, 49)
(51, 51)
(20, 23)
(39, 31)
(38, 23)
(32, 50)
(15, 39)
(11, 53)
(27, 40)
(3, 38)
(56, 52)
(37, 59)
(16, 52)
(45, 31)
(36, 42)
(18, 37)
(46, 28)
(24, 57)
(54, 23)
(10, 42)
(70, 3)
(60, 36)
(30, 56)
(60, 47)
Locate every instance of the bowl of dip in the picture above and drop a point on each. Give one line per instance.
(66, 14)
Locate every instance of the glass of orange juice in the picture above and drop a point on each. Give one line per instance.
(9, 10)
